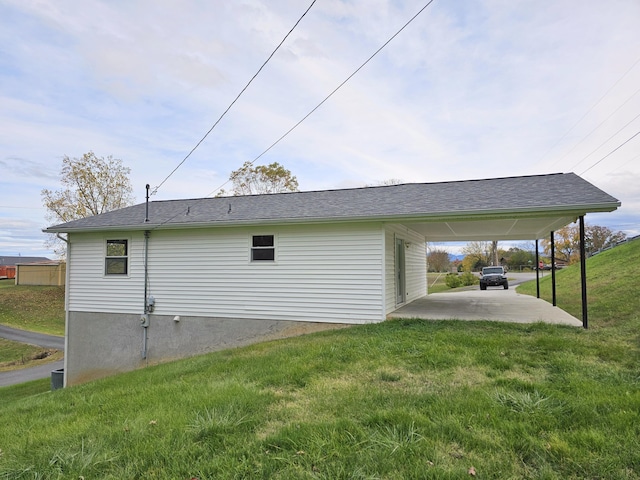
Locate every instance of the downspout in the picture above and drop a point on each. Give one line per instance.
(67, 275)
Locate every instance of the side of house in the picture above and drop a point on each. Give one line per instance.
(218, 287)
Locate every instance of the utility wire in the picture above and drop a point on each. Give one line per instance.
(596, 128)
(334, 91)
(611, 152)
(155, 190)
(589, 111)
(314, 109)
(632, 159)
(598, 147)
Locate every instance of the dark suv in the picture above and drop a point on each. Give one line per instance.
(493, 277)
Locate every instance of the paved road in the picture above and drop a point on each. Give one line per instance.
(32, 338)
(34, 373)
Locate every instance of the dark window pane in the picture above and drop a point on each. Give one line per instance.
(116, 266)
(116, 248)
(263, 240)
(261, 254)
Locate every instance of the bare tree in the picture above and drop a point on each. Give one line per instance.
(438, 260)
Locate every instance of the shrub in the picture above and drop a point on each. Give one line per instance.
(468, 278)
(453, 280)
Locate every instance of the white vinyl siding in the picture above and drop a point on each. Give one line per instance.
(324, 273)
(415, 265)
(90, 290)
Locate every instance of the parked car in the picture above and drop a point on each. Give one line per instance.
(493, 277)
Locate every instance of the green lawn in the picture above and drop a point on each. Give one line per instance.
(39, 309)
(436, 282)
(396, 400)
(14, 355)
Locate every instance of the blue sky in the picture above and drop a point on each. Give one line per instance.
(470, 89)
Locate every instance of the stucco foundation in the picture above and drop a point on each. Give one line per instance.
(102, 344)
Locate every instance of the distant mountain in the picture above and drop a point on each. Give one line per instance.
(453, 257)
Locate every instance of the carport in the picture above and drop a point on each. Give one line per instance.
(515, 208)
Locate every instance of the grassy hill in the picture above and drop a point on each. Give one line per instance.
(401, 399)
(35, 308)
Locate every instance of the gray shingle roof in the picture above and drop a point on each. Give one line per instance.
(15, 260)
(512, 195)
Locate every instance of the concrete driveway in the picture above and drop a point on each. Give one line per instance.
(494, 304)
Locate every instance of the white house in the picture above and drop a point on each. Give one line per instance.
(171, 279)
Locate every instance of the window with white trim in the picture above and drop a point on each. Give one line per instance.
(263, 248)
(116, 261)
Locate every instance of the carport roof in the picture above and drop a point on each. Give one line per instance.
(517, 208)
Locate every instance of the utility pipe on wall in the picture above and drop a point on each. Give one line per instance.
(144, 322)
(67, 274)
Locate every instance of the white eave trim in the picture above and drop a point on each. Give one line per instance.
(562, 211)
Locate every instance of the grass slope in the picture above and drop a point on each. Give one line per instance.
(39, 309)
(401, 399)
(15, 355)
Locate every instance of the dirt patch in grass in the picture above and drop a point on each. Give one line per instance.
(14, 355)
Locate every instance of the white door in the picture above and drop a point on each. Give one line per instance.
(400, 277)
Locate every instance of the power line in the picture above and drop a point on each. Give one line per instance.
(632, 159)
(598, 147)
(596, 128)
(334, 90)
(591, 109)
(611, 152)
(155, 190)
(315, 108)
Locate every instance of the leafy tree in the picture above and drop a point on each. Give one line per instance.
(597, 238)
(253, 180)
(438, 260)
(516, 257)
(91, 185)
(567, 241)
(477, 255)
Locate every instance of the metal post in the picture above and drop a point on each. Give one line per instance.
(553, 271)
(146, 208)
(583, 275)
(537, 271)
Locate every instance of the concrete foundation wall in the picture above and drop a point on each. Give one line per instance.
(102, 344)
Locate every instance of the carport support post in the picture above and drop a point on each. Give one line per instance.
(583, 274)
(553, 271)
(537, 271)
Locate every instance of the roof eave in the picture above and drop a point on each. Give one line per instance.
(565, 211)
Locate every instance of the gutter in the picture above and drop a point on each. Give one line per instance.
(529, 212)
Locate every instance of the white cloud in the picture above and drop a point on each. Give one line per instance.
(468, 90)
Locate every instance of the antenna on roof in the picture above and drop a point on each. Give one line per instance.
(146, 210)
